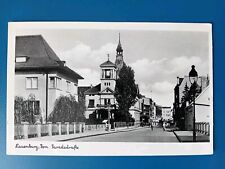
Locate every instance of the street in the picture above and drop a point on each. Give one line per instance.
(136, 135)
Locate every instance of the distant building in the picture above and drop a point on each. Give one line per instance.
(40, 74)
(136, 111)
(167, 114)
(148, 109)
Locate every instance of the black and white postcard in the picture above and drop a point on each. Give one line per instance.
(100, 89)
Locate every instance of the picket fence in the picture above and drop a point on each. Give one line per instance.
(26, 130)
(203, 128)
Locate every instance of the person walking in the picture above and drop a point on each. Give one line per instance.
(151, 126)
(164, 125)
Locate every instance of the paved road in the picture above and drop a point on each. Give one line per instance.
(137, 135)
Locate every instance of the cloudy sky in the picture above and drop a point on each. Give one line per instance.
(157, 57)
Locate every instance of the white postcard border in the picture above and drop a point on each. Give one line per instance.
(101, 148)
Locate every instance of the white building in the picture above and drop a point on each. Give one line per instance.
(102, 95)
(202, 106)
(40, 75)
(136, 111)
(167, 113)
(202, 109)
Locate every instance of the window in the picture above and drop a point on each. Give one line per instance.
(55, 82)
(107, 73)
(91, 103)
(107, 84)
(68, 86)
(21, 59)
(52, 82)
(31, 83)
(106, 101)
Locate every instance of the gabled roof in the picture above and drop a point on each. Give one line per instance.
(40, 56)
(108, 63)
(111, 91)
(82, 89)
(94, 90)
(37, 50)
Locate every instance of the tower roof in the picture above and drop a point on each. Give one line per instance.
(119, 46)
(108, 63)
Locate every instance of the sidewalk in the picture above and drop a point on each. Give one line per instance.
(187, 136)
(87, 133)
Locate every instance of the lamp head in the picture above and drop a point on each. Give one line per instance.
(193, 75)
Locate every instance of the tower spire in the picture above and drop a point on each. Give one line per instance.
(119, 38)
(119, 48)
(108, 56)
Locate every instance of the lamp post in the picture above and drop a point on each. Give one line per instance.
(109, 116)
(193, 78)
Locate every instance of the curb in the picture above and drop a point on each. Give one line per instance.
(98, 134)
(177, 136)
(187, 141)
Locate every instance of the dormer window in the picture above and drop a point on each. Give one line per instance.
(21, 59)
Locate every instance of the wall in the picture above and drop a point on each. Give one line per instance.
(96, 99)
(202, 112)
(40, 92)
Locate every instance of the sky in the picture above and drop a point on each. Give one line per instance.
(157, 57)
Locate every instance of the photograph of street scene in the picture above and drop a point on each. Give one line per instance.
(113, 85)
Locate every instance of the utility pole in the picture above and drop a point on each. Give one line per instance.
(109, 117)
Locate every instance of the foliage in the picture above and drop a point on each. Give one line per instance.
(26, 110)
(125, 91)
(67, 109)
(186, 95)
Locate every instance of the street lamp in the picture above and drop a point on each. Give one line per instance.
(193, 78)
(109, 115)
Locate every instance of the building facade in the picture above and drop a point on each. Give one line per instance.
(101, 96)
(167, 114)
(40, 75)
(179, 105)
(202, 109)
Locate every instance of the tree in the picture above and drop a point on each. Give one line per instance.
(67, 109)
(186, 94)
(125, 91)
(26, 110)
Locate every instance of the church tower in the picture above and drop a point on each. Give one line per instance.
(108, 75)
(119, 57)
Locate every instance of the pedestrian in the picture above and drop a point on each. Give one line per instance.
(164, 125)
(151, 126)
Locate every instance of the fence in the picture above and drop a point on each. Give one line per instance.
(203, 128)
(124, 124)
(26, 130)
(95, 127)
